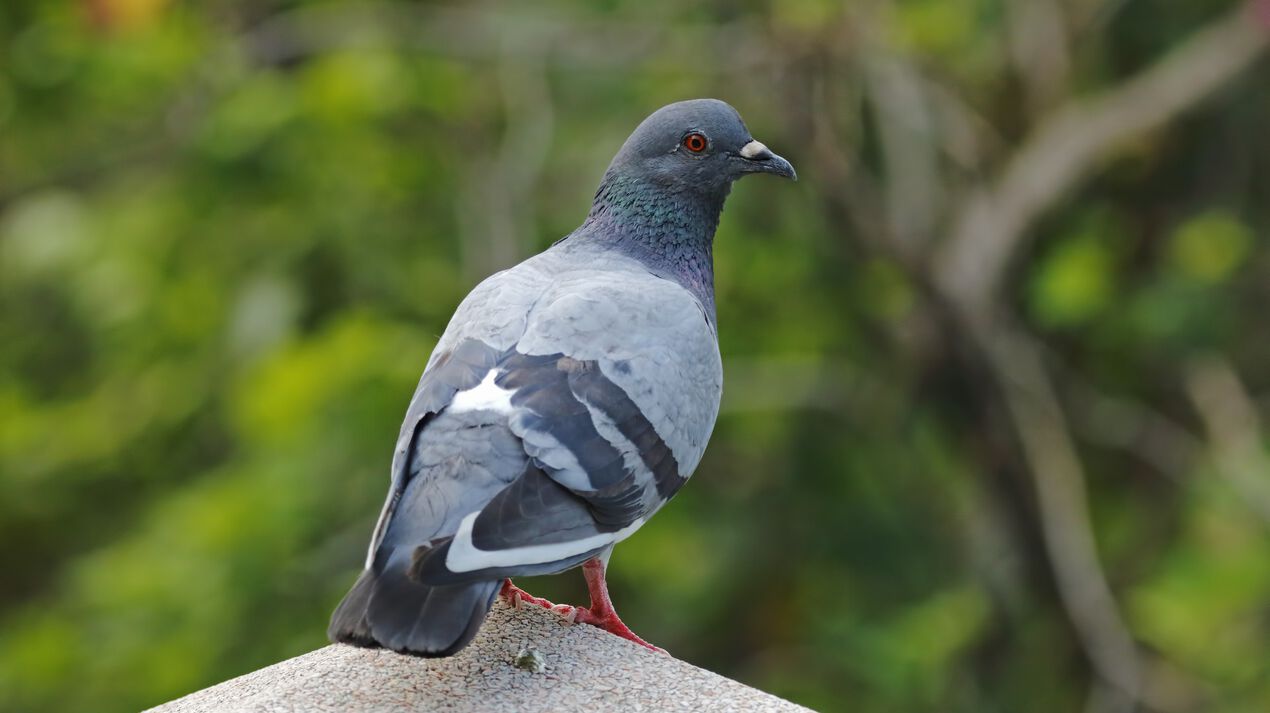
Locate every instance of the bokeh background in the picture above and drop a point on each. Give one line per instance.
(997, 367)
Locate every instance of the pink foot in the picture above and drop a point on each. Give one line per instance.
(611, 623)
(602, 614)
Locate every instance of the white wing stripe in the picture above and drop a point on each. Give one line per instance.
(465, 557)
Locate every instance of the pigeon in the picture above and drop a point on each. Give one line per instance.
(570, 397)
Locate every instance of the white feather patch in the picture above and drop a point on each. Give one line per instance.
(485, 396)
(465, 557)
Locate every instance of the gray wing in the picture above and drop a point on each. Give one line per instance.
(447, 374)
(609, 383)
(489, 320)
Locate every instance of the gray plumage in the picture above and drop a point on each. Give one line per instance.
(568, 399)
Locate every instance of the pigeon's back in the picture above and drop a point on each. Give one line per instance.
(567, 400)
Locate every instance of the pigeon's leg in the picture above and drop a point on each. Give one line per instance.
(602, 613)
(515, 596)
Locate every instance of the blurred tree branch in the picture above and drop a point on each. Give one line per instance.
(1065, 521)
(995, 220)
(1114, 421)
(969, 268)
(1038, 41)
(913, 195)
(1234, 431)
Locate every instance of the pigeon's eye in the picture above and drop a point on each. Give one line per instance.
(695, 143)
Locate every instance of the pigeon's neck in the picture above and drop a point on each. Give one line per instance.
(671, 232)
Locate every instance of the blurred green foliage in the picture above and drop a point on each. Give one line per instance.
(231, 232)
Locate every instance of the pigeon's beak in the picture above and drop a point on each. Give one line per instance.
(757, 158)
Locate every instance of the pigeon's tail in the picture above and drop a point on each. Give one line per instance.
(391, 610)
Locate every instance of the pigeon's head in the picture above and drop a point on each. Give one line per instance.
(698, 145)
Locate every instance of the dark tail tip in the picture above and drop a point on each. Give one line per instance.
(349, 622)
(391, 610)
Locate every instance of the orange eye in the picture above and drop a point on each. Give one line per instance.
(695, 143)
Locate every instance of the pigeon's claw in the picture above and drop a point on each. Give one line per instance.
(518, 597)
(568, 611)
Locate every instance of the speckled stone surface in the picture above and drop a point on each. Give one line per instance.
(582, 668)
